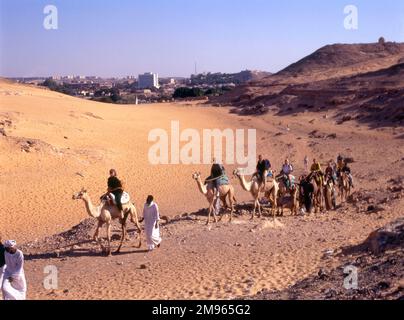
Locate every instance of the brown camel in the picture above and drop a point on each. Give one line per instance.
(225, 192)
(292, 202)
(105, 213)
(255, 188)
(318, 191)
(344, 186)
(329, 192)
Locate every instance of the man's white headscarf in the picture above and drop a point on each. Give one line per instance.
(10, 244)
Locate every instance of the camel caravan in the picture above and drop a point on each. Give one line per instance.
(316, 192)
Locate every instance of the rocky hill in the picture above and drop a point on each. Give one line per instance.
(363, 80)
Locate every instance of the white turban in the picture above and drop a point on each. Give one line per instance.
(10, 244)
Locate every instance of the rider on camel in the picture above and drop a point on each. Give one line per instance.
(316, 169)
(286, 171)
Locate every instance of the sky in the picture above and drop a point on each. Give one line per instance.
(115, 38)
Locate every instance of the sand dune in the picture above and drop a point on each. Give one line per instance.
(75, 143)
(53, 145)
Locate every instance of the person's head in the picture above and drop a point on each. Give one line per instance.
(287, 161)
(0, 239)
(330, 163)
(112, 173)
(149, 199)
(10, 246)
(214, 161)
(260, 157)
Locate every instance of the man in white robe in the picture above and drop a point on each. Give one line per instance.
(151, 217)
(14, 285)
(2, 262)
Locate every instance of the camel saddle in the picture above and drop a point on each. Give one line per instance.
(125, 199)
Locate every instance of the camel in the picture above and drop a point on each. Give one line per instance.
(105, 213)
(255, 188)
(225, 191)
(344, 186)
(318, 192)
(329, 195)
(292, 202)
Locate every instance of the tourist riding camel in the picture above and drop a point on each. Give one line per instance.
(317, 172)
(255, 188)
(263, 170)
(217, 176)
(330, 183)
(286, 177)
(216, 188)
(347, 170)
(330, 172)
(105, 213)
(115, 190)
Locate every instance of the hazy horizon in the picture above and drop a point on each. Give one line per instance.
(110, 39)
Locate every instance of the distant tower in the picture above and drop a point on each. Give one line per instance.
(195, 69)
(382, 40)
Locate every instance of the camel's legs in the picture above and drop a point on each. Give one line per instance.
(209, 212)
(256, 205)
(255, 208)
(259, 209)
(231, 199)
(123, 226)
(96, 235)
(224, 206)
(135, 220)
(109, 238)
(97, 231)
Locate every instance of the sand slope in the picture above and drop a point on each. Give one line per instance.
(55, 144)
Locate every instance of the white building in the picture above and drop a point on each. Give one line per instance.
(148, 80)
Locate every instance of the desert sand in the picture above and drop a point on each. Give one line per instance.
(53, 145)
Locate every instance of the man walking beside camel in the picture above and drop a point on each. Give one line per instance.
(151, 217)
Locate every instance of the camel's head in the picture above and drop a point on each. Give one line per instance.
(237, 172)
(79, 195)
(196, 176)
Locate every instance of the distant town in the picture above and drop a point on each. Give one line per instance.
(145, 88)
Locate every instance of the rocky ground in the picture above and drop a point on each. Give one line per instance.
(379, 262)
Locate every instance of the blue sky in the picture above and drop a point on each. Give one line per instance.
(127, 37)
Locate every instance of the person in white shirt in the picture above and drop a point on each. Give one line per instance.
(14, 285)
(2, 261)
(306, 164)
(287, 169)
(151, 217)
